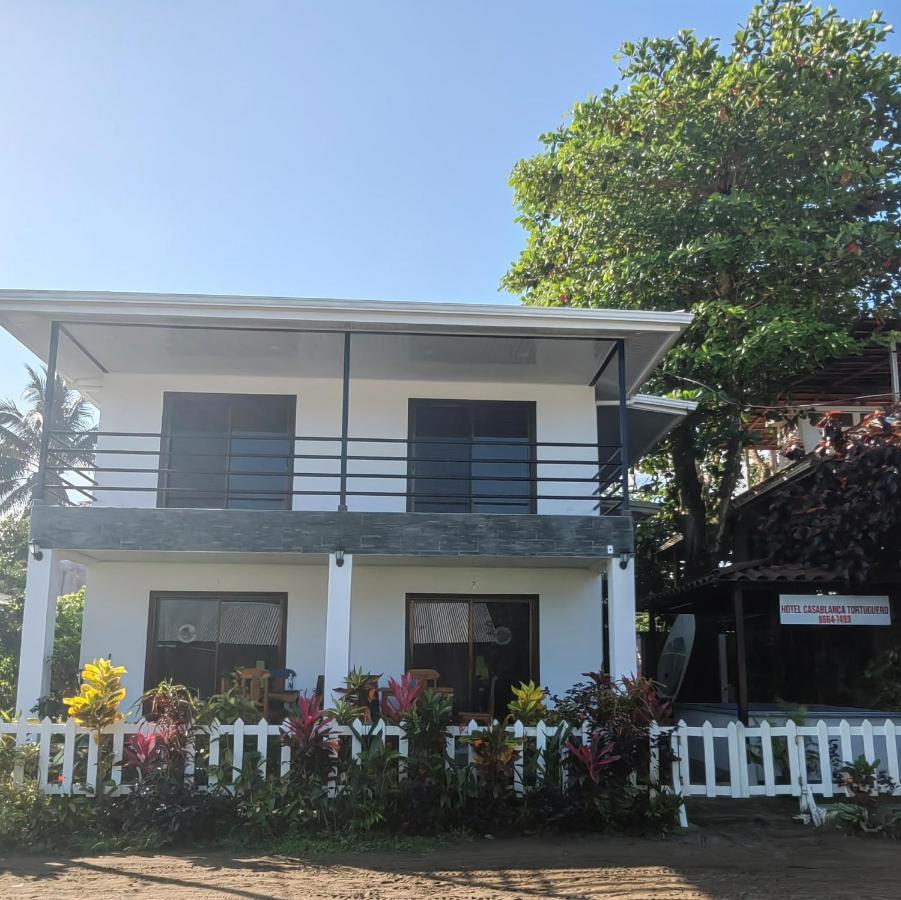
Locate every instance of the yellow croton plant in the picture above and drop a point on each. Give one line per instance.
(96, 705)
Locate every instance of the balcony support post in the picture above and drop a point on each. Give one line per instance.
(623, 424)
(40, 487)
(621, 617)
(337, 621)
(345, 420)
(43, 582)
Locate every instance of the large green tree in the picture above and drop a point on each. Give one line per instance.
(756, 185)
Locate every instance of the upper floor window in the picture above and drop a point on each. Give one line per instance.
(472, 456)
(227, 451)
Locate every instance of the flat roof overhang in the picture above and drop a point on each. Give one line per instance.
(273, 336)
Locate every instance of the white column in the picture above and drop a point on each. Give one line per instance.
(337, 624)
(621, 613)
(42, 587)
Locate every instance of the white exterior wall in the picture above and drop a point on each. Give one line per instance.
(378, 409)
(569, 629)
(117, 605)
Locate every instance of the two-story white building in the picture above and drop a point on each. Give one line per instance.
(320, 484)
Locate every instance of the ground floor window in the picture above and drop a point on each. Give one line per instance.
(481, 646)
(199, 639)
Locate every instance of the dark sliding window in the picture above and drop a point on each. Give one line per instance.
(199, 639)
(227, 451)
(472, 456)
(474, 642)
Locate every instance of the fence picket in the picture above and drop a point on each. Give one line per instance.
(825, 760)
(68, 755)
(237, 749)
(682, 734)
(519, 733)
(891, 755)
(794, 747)
(844, 733)
(214, 755)
(263, 745)
(45, 735)
(654, 765)
(741, 739)
(709, 760)
(735, 785)
(91, 777)
(766, 750)
(866, 731)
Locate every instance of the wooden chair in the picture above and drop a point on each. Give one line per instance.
(428, 677)
(482, 717)
(254, 685)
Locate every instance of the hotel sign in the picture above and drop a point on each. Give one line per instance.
(809, 609)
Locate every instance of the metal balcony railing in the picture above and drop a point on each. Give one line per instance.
(269, 471)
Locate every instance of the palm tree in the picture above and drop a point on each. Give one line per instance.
(20, 441)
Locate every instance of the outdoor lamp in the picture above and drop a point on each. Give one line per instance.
(34, 548)
(339, 558)
(624, 557)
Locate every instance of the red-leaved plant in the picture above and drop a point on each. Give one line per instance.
(595, 757)
(145, 752)
(402, 700)
(308, 733)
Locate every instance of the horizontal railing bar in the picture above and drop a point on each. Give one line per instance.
(357, 457)
(457, 442)
(416, 495)
(501, 479)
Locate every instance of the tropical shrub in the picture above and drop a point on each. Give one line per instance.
(307, 733)
(96, 705)
(528, 704)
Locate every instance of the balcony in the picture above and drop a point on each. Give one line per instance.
(364, 474)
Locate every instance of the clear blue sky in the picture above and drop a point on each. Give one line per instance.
(351, 149)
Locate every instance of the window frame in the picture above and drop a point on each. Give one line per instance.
(152, 674)
(470, 599)
(530, 408)
(166, 438)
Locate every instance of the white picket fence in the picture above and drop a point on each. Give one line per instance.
(68, 758)
(767, 760)
(734, 761)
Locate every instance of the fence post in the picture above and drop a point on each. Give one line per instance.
(403, 749)
(19, 764)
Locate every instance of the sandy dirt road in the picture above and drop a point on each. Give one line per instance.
(740, 862)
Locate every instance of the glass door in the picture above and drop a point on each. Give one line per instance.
(481, 646)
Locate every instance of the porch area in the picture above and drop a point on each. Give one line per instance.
(482, 624)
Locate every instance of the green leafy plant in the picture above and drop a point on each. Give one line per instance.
(96, 706)
(528, 703)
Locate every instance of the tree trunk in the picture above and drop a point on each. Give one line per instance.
(691, 497)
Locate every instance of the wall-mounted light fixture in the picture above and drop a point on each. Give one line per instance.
(624, 558)
(34, 548)
(339, 558)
